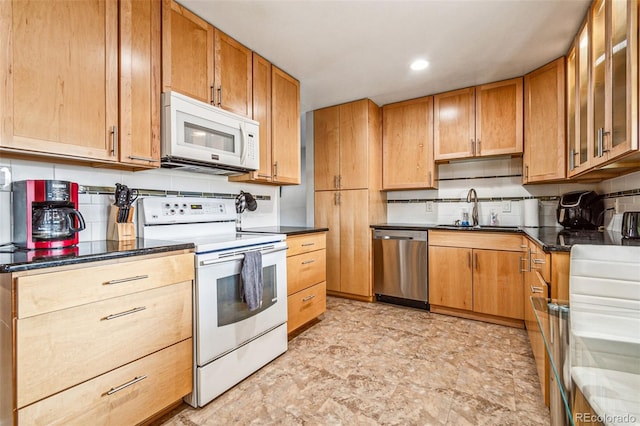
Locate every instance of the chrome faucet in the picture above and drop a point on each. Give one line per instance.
(472, 197)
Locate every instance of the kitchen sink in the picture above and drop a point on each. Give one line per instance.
(479, 228)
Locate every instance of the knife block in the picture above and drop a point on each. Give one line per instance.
(125, 231)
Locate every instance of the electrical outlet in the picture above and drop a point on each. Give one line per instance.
(506, 206)
(5, 178)
(429, 206)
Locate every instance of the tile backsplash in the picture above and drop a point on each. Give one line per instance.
(95, 206)
(498, 183)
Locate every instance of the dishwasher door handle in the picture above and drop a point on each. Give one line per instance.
(393, 237)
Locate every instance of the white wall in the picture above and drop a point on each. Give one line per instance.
(95, 207)
(293, 201)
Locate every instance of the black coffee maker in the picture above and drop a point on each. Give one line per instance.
(45, 214)
(580, 210)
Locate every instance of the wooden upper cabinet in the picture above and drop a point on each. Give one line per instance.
(262, 113)
(342, 136)
(285, 127)
(233, 75)
(479, 121)
(139, 82)
(602, 82)
(499, 128)
(276, 106)
(187, 53)
(59, 67)
(407, 145)
(613, 65)
(326, 131)
(354, 145)
(454, 124)
(544, 123)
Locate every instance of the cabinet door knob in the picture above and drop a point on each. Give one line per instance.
(306, 299)
(306, 262)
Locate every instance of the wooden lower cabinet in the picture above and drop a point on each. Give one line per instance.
(497, 283)
(306, 305)
(106, 342)
(535, 286)
(122, 396)
(476, 275)
(450, 279)
(546, 275)
(349, 255)
(306, 278)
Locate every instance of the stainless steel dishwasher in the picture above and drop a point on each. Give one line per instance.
(400, 271)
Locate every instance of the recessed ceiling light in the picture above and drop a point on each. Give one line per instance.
(419, 65)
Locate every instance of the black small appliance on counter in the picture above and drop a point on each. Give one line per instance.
(580, 210)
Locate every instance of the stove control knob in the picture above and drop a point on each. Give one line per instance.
(181, 211)
(172, 211)
(167, 205)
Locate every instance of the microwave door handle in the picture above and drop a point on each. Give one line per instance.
(245, 142)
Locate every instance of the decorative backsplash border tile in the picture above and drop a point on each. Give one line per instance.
(627, 193)
(619, 194)
(108, 190)
(480, 199)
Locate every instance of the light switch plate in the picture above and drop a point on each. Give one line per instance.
(506, 206)
(429, 206)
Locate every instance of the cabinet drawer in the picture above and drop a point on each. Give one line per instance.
(165, 377)
(477, 240)
(541, 262)
(38, 294)
(306, 305)
(306, 269)
(305, 243)
(83, 342)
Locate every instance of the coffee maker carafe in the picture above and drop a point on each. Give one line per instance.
(45, 214)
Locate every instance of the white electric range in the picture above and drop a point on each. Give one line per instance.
(230, 342)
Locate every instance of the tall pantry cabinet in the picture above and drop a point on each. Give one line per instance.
(348, 180)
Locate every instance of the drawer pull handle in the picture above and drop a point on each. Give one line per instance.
(306, 299)
(539, 261)
(536, 289)
(129, 312)
(308, 244)
(126, 385)
(306, 262)
(124, 280)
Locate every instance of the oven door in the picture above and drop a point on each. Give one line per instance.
(223, 321)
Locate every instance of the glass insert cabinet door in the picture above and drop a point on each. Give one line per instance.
(614, 74)
(624, 74)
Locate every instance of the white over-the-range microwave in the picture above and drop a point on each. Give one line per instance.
(199, 137)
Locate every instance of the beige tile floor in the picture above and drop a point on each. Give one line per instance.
(374, 363)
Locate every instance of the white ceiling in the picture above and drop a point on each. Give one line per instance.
(351, 49)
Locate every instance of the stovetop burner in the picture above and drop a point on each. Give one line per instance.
(209, 223)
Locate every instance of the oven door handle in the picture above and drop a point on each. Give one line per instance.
(239, 256)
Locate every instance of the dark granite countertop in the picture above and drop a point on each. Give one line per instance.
(551, 238)
(287, 230)
(90, 251)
